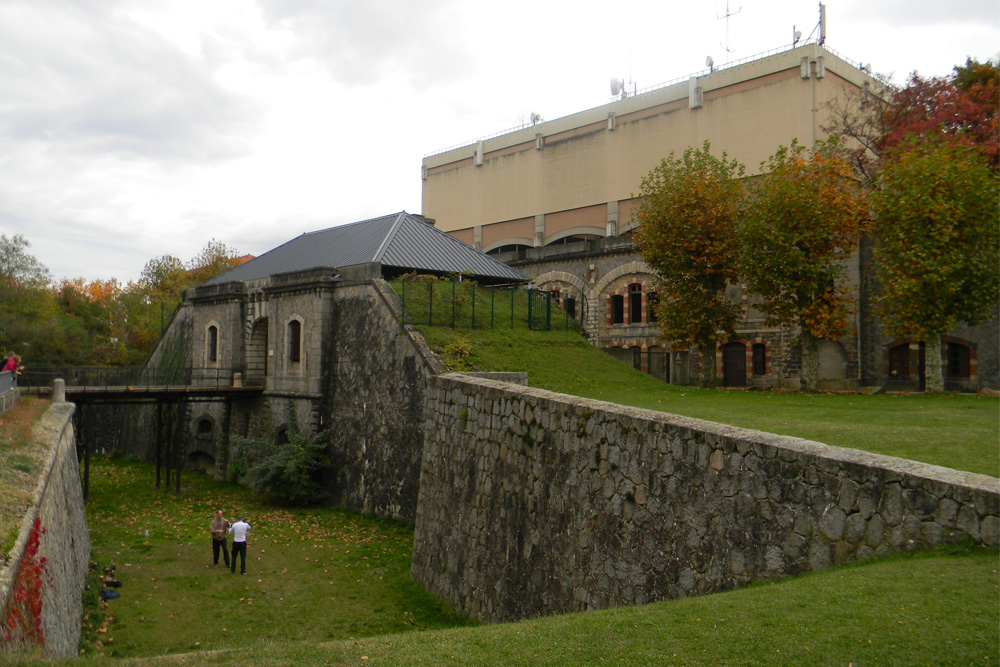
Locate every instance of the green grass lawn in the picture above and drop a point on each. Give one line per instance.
(953, 430)
(928, 610)
(312, 574)
(328, 587)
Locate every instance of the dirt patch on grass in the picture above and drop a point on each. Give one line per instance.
(21, 462)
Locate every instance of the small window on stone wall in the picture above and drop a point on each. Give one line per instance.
(213, 344)
(899, 361)
(652, 299)
(759, 359)
(635, 303)
(958, 360)
(294, 341)
(617, 309)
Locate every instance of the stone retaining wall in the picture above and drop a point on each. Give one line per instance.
(535, 503)
(41, 586)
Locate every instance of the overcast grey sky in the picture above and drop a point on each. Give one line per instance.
(131, 129)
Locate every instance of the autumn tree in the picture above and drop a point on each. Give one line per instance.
(801, 219)
(961, 108)
(687, 216)
(937, 242)
(214, 259)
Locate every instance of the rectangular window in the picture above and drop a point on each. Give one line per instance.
(958, 360)
(759, 359)
(294, 341)
(617, 309)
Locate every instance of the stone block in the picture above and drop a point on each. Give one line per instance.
(989, 531)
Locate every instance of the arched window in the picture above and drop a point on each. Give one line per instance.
(958, 360)
(899, 361)
(759, 359)
(571, 307)
(635, 303)
(617, 309)
(652, 299)
(294, 341)
(637, 358)
(213, 344)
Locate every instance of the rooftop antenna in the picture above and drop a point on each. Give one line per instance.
(710, 63)
(535, 118)
(821, 26)
(726, 16)
(796, 36)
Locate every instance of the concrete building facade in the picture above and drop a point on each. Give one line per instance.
(555, 200)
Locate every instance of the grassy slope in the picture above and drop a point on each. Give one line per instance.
(956, 431)
(928, 610)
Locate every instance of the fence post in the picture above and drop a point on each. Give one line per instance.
(531, 305)
(452, 303)
(430, 303)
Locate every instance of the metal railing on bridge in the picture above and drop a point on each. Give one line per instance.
(131, 376)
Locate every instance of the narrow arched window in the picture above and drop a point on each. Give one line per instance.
(635, 303)
(213, 344)
(571, 307)
(294, 341)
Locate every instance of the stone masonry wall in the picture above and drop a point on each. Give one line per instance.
(42, 584)
(535, 503)
(376, 382)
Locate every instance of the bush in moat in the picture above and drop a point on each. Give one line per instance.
(290, 470)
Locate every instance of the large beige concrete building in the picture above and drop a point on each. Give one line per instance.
(555, 200)
(574, 176)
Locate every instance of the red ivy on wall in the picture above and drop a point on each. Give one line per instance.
(23, 624)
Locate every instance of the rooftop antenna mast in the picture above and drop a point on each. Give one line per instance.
(726, 16)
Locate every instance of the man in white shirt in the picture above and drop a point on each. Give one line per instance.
(239, 532)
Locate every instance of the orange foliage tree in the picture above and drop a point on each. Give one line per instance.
(800, 220)
(687, 216)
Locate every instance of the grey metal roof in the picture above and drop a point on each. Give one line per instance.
(398, 241)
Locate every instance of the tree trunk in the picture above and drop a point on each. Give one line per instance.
(707, 352)
(810, 362)
(933, 378)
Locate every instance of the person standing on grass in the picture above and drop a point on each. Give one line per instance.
(219, 527)
(239, 532)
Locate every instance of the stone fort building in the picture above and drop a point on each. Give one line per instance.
(554, 200)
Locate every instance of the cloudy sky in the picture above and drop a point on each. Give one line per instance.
(132, 129)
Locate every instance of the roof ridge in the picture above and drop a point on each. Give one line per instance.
(351, 224)
(397, 223)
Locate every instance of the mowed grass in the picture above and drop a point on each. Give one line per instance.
(312, 574)
(937, 609)
(958, 431)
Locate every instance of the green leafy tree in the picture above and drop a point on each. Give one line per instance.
(687, 217)
(290, 472)
(25, 302)
(937, 242)
(801, 219)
